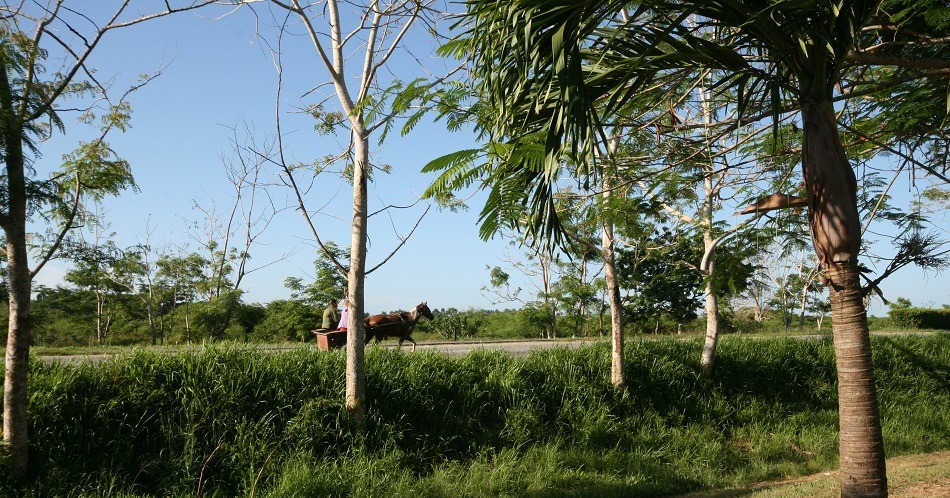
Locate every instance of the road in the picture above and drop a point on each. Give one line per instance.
(511, 347)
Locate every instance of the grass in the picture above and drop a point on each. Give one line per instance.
(231, 421)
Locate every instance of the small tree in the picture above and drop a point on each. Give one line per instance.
(367, 106)
(329, 282)
(32, 99)
(454, 324)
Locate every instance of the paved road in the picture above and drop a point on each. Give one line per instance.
(512, 347)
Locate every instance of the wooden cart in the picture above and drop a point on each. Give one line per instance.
(330, 339)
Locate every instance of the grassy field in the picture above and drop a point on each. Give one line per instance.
(230, 421)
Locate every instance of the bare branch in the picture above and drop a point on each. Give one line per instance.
(402, 242)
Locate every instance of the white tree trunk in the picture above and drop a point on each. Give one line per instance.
(355, 363)
(708, 358)
(15, 395)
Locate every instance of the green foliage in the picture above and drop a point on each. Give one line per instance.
(234, 421)
(54, 314)
(499, 324)
(453, 324)
(659, 278)
(287, 320)
(537, 319)
(330, 281)
(212, 319)
(920, 318)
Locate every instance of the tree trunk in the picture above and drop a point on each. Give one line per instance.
(580, 327)
(600, 316)
(803, 304)
(836, 234)
(355, 363)
(151, 322)
(15, 396)
(616, 322)
(100, 312)
(863, 470)
(187, 322)
(707, 266)
(707, 359)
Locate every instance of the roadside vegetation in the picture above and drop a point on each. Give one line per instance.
(66, 337)
(232, 421)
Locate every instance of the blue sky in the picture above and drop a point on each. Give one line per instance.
(217, 75)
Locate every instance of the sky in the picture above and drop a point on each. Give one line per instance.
(218, 76)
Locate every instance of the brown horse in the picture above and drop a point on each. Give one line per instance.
(396, 325)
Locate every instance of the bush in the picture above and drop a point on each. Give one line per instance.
(287, 320)
(920, 318)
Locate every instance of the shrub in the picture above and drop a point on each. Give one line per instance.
(920, 318)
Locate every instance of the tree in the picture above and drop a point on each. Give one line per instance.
(541, 272)
(32, 99)
(228, 234)
(62, 315)
(658, 280)
(556, 70)
(287, 320)
(366, 106)
(329, 282)
(88, 274)
(454, 324)
(136, 271)
(91, 260)
(182, 275)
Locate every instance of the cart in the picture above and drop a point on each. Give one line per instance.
(330, 339)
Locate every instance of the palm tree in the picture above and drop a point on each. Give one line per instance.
(564, 70)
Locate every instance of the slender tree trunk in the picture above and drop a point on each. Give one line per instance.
(13, 220)
(100, 312)
(786, 319)
(579, 327)
(355, 363)
(616, 321)
(151, 322)
(187, 322)
(15, 395)
(600, 316)
(836, 234)
(803, 298)
(708, 358)
(551, 328)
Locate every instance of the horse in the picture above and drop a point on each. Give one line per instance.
(396, 325)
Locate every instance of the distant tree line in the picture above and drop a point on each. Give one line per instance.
(661, 295)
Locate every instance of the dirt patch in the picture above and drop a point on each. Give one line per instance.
(925, 475)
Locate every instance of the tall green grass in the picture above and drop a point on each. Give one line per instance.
(226, 421)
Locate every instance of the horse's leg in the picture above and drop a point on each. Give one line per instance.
(413, 343)
(369, 335)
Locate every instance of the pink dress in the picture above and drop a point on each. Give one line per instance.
(344, 319)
